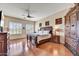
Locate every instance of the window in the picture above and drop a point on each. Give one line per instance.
(29, 28)
(15, 28)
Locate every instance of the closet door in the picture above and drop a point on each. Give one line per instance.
(73, 19)
(73, 25)
(78, 31)
(67, 29)
(78, 24)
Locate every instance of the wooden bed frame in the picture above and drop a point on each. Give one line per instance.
(48, 39)
(47, 28)
(45, 40)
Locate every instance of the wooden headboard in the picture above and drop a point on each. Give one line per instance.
(50, 29)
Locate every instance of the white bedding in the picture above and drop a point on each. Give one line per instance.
(43, 37)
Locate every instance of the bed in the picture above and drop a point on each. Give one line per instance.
(40, 37)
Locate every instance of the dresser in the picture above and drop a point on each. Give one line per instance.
(72, 30)
(3, 44)
(56, 39)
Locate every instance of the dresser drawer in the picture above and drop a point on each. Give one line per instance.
(2, 37)
(3, 44)
(1, 47)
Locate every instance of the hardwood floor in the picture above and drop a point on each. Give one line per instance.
(47, 49)
(56, 49)
(50, 49)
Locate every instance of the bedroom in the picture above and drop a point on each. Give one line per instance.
(30, 27)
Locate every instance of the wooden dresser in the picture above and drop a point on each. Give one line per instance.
(72, 30)
(56, 39)
(3, 44)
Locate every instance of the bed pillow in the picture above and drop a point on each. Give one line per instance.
(43, 32)
(46, 32)
(40, 32)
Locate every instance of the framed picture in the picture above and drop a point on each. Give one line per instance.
(58, 21)
(46, 23)
(40, 24)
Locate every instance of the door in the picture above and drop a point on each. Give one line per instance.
(73, 25)
(78, 31)
(67, 29)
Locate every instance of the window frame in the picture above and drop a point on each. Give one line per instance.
(15, 25)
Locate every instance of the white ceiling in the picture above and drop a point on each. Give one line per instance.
(38, 10)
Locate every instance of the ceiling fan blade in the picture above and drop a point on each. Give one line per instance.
(30, 16)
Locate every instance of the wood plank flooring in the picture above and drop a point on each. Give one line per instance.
(47, 49)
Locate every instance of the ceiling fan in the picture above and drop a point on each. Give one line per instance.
(28, 12)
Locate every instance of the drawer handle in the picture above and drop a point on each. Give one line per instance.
(67, 26)
(72, 25)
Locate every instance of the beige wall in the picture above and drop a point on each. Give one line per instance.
(51, 20)
(7, 19)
